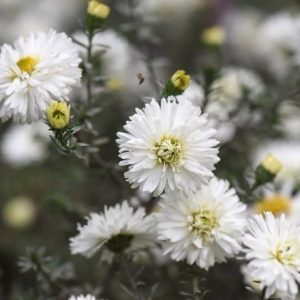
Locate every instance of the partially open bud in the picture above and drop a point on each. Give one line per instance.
(267, 170)
(181, 80)
(177, 84)
(272, 164)
(58, 114)
(98, 10)
(213, 36)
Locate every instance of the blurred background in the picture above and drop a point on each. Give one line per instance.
(244, 59)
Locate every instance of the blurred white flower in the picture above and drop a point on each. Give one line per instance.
(82, 297)
(272, 247)
(120, 61)
(278, 43)
(233, 85)
(290, 120)
(35, 70)
(168, 146)
(241, 27)
(158, 10)
(22, 145)
(202, 228)
(119, 229)
(29, 16)
(287, 152)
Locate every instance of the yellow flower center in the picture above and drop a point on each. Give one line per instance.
(202, 223)
(286, 252)
(168, 150)
(275, 204)
(27, 64)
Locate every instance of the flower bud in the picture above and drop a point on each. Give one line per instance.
(180, 80)
(267, 170)
(98, 10)
(58, 114)
(213, 36)
(272, 164)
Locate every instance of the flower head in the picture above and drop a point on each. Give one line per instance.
(119, 229)
(181, 80)
(37, 69)
(58, 114)
(98, 10)
(168, 146)
(202, 228)
(272, 247)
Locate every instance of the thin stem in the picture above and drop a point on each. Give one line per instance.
(90, 35)
(132, 280)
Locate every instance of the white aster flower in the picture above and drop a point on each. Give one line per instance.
(194, 93)
(168, 146)
(234, 84)
(241, 28)
(168, 10)
(22, 145)
(33, 71)
(289, 119)
(119, 229)
(272, 247)
(287, 152)
(82, 297)
(278, 43)
(202, 228)
(120, 61)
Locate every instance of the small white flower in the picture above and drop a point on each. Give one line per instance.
(278, 43)
(272, 247)
(35, 70)
(202, 228)
(82, 297)
(234, 84)
(168, 10)
(119, 229)
(168, 146)
(22, 145)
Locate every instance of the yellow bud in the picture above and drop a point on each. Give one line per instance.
(98, 10)
(19, 212)
(114, 84)
(58, 114)
(213, 36)
(181, 80)
(271, 164)
(275, 204)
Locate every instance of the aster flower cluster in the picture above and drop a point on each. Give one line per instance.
(191, 181)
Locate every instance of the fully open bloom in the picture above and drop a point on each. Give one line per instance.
(202, 228)
(168, 146)
(119, 229)
(272, 247)
(35, 70)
